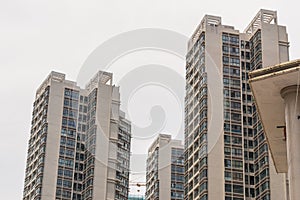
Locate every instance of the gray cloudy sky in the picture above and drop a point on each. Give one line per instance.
(38, 36)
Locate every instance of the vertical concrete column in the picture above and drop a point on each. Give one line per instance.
(292, 119)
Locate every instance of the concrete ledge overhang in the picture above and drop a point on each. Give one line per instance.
(266, 85)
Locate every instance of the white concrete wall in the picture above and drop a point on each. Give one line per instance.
(103, 114)
(213, 62)
(54, 118)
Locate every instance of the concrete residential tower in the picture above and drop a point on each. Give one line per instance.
(79, 143)
(165, 169)
(226, 153)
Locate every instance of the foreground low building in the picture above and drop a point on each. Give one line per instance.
(79, 144)
(276, 91)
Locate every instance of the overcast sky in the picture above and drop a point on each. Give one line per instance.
(38, 36)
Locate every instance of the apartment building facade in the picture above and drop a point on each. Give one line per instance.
(226, 152)
(79, 144)
(165, 169)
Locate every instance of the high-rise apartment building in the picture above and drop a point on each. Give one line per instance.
(226, 153)
(165, 169)
(79, 145)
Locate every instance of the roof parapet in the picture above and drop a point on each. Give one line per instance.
(263, 16)
(56, 76)
(101, 77)
(208, 20)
